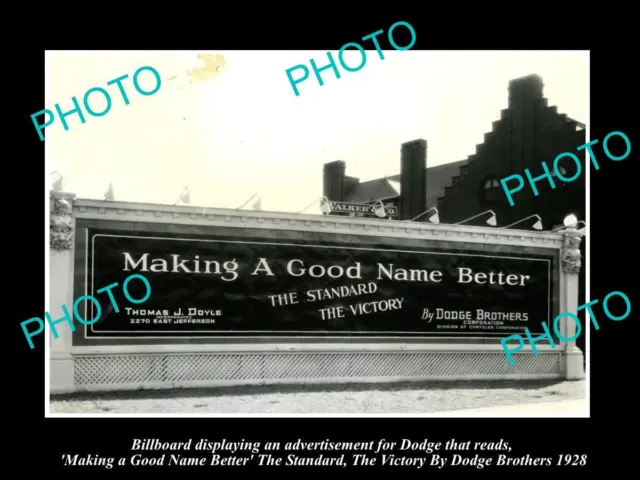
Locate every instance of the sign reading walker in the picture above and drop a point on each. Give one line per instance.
(223, 287)
(364, 209)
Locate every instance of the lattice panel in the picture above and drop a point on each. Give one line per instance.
(203, 367)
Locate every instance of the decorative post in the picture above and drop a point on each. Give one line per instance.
(60, 222)
(571, 263)
(61, 240)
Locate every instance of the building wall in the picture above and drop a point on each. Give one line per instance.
(528, 132)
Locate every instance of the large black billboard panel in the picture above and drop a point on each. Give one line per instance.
(210, 287)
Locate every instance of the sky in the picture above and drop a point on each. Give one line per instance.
(242, 130)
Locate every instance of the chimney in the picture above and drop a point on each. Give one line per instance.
(333, 180)
(525, 90)
(413, 179)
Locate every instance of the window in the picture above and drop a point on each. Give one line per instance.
(491, 190)
(562, 171)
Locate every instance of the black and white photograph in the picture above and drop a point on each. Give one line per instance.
(299, 233)
(335, 246)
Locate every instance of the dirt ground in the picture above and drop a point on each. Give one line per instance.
(398, 398)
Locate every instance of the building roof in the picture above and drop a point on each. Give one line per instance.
(389, 187)
(378, 189)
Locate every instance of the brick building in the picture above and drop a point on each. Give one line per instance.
(528, 132)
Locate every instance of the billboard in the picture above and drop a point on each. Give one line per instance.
(217, 287)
